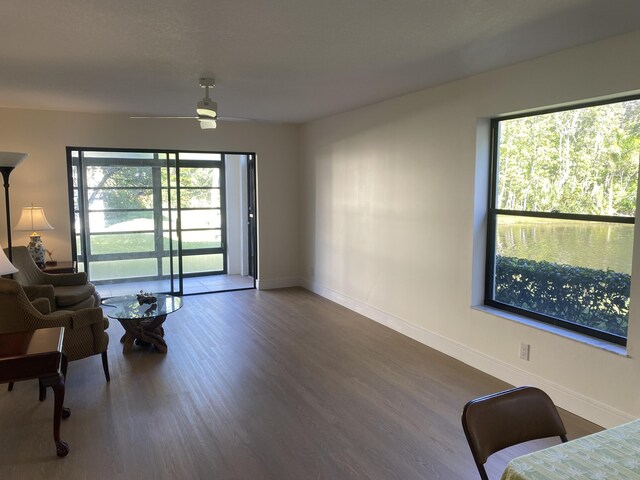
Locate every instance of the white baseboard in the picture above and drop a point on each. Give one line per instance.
(271, 283)
(570, 400)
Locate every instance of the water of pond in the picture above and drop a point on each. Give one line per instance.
(595, 245)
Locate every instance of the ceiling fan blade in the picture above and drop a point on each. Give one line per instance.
(220, 118)
(235, 119)
(153, 116)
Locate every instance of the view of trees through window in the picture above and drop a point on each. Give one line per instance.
(561, 216)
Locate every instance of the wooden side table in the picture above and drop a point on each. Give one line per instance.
(61, 267)
(38, 354)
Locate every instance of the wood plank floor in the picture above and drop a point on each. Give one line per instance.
(278, 384)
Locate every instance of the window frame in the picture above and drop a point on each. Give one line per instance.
(493, 213)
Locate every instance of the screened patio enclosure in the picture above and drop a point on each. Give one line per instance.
(163, 221)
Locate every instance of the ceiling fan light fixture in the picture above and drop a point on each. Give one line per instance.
(207, 123)
(207, 108)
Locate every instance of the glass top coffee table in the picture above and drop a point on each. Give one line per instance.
(142, 322)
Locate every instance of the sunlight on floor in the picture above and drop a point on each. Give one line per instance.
(210, 283)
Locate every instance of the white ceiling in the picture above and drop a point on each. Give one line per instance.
(274, 60)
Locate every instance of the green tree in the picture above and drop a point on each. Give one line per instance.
(574, 161)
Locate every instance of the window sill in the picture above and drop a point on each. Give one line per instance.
(578, 337)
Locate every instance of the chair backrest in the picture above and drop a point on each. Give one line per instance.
(28, 272)
(16, 311)
(507, 418)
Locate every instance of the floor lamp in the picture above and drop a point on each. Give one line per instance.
(9, 161)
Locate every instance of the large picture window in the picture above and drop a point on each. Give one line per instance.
(561, 216)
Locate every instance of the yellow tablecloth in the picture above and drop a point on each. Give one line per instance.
(607, 455)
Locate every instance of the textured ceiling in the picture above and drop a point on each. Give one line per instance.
(277, 60)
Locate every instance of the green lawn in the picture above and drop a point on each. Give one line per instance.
(144, 242)
(147, 267)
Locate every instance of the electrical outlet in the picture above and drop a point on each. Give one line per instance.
(524, 351)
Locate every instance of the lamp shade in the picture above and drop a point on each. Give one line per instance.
(11, 159)
(6, 267)
(33, 219)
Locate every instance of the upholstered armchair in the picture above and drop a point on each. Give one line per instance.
(84, 330)
(71, 291)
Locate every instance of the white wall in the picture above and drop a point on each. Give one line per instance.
(237, 240)
(394, 202)
(42, 178)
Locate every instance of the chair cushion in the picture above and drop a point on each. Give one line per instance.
(42, 305)
(70, 295)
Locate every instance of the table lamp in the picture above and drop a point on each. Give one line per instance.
(33, 219)
(6, 267)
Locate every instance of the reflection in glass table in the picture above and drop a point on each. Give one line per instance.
(142, 322)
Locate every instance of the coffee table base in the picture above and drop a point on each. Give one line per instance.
(143, 331)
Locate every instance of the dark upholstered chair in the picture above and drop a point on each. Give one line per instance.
(71, 291)
(508, 418)
(84, 330)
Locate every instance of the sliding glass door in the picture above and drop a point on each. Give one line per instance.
(198, 188)
(148, 218)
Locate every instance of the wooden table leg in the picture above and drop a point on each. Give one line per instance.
(64, 363)
(56, 382)
(127, 341)
(155, 331)
(66, 412)
(150, 333)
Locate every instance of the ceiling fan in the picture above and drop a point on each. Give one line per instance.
(206, 109)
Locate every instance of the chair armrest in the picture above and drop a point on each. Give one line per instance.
(42, 305)
(41, 291)
(93, 319)
(65, 279)
(38, 291)
(85, 317)
(55, 319)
